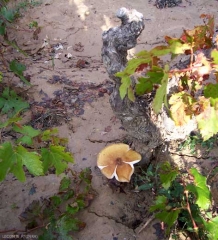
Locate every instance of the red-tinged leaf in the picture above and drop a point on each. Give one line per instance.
(141, 67)
(181, 108)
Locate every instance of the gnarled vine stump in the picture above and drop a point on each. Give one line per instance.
(145, 129)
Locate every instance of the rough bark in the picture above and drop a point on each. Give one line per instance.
(145, 129)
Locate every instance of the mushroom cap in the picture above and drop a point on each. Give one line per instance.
(117, 161)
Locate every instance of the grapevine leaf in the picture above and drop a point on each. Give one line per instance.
(160, 203)
(160, 51)
(68, 194)
(29, 133)
(56, 230)
(145, 186)
(214, 55)
(12, 160)
(144, 54)
(8, 14)
(2, 27)
(145, 85)
(131, 95)
(47, 134)
(10, 121)
(160, 96)
(177, 46)
(67, 223)
(10, 103)
(207, 120)
(57, 157)
(200, 189)
(18, 69)
(211, 227)
(72, 209)
(211, 91)
(17, 170)
(167, 178)
(65, 183)
(181, 107)
(55, 200)
(7, 159)
(168, 217)
(126, 83)
(30, 160)
(86, 175)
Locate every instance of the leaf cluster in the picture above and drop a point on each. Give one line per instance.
(33, 150)
(56, 215)
(185, 199)
(194, 96)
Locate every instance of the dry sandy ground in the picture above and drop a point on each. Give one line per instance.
(78, 26)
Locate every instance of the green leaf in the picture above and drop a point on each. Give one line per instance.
(168, 175)
(168, 217)
(177, 47)
(207, 121)
(68, 194)
(131, 95)
(57, 157)
(10, 121)
(8, 14)
(48, 134)
(7, 159)
(126, 83)
(30, 160)
(200, 189)
(72, 209)
(161, 93)
(145, 186)
(13, 159)
(55, 200)
(160, 203)
(145, 85)
(18, 69)
(64, 184)
(211, 227)
(2, 28)
(29, 133)
(211, 91)
(86, 175)
(10, 103)
(160, 51)
(214, 55)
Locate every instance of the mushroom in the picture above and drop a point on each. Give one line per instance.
(117, 161)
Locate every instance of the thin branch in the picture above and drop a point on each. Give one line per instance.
(151, 218)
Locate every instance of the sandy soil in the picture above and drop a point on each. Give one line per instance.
(77, 25)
